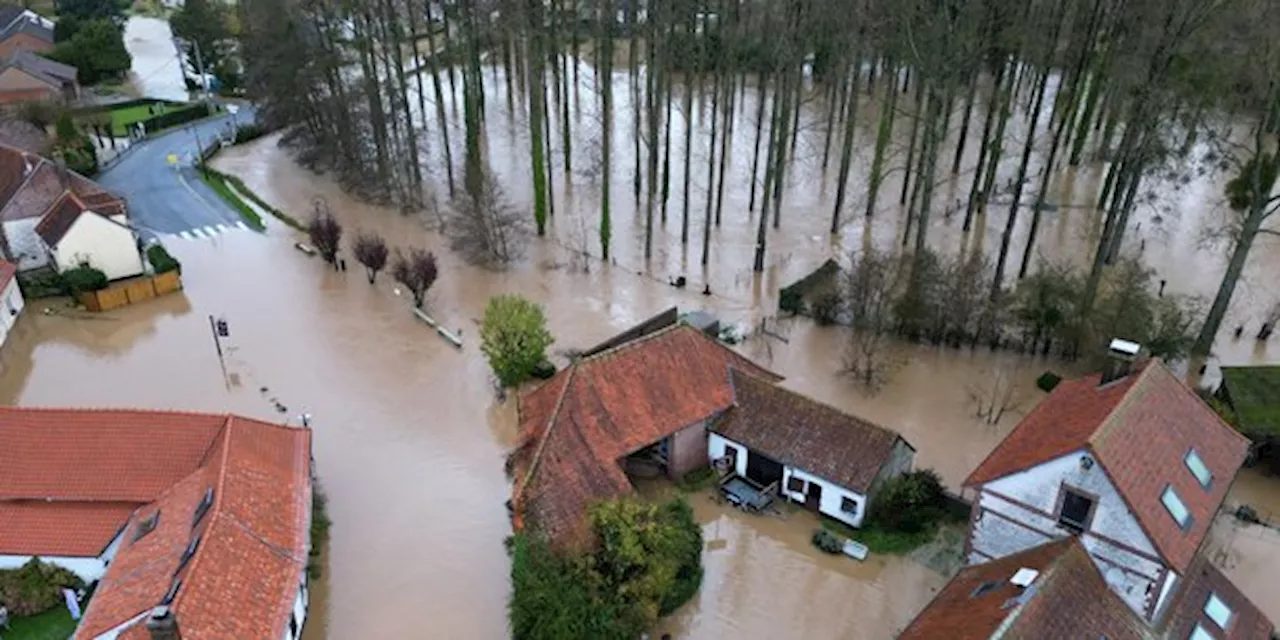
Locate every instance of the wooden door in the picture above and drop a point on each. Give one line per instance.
(813, 497)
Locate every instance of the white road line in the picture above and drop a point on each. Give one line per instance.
(210, 231)
(222, 228)
(186, 235)
(241, 226)
(199, 234)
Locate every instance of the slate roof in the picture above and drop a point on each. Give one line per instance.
(51, 72)
(77, 477)
(29, 194)
(575, 428)
(1139, 428)
(13, 22)
(805, 433)
(1068, 599)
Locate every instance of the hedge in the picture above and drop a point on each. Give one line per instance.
(175, 118)
(35, 587)
(161, 261)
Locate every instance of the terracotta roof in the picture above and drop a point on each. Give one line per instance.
(1067, 599)
(248, 564)
(57, 221)
(1139, 429)
(1186, 610)
(7, 270)
(805, 433)
(80, 529)
(29, 194)
(577, 426)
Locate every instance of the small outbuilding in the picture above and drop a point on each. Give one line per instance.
(819, 456)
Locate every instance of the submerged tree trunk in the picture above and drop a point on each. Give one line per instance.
(537, 146)
(846, 144)
(883, 134)
(763, 92)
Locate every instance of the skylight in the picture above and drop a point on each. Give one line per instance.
(1217, 610)
(146, 525)
(203, 507)
(1198, 468)
(1176, 507)
(1200, 634)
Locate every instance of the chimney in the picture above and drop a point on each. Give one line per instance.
(63, 178)
(1120, 358)
(162, 624)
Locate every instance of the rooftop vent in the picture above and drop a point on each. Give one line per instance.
(1024, 577)
(1121, 355)
(162, 624)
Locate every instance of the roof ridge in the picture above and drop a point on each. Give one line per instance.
(52, 409)
(825, 405)
(216, 508)
(632, 342)
(542, 445)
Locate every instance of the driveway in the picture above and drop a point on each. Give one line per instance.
(167, 199)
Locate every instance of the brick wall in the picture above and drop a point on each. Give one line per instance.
(23, 42)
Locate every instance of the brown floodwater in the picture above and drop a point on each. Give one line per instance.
(410, 438)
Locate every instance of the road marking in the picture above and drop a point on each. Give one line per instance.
(222, 228)
(241, 226)
(198, 233)
(186, 235)
(210, 231)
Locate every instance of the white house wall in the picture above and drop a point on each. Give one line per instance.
(11, 305)
(105, 245)
(1018, 511)
(832, 493)
(716, 450)
(25, 247)
(89, 569)
(299, 613)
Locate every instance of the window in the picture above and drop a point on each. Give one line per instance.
(1075, 511)
(1198, 468)
(186, 555)
(848, 505)
(795, 484)
(203, 507)
(1217, 610)
(985, 588)
(146, 525)
(1200, 634)
(293, 626)
(1176, 507)
(172, 592)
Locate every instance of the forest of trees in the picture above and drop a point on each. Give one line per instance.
(1158, 89)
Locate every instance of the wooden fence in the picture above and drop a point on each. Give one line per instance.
(131, 291)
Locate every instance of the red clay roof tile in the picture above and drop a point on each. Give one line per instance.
(1069, 600)
(805, 433)
(70, 529)
(609, 405)
(1186, 610)
(1140, 429)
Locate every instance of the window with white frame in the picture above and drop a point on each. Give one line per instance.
(1176, 507)
(1200, 634)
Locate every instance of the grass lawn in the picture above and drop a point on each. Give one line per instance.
(217, 182)
(879, 540)
(54, 624)
(121, 119)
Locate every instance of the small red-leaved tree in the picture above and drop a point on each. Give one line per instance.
(417, 272)
(325, 232)
(371, 250)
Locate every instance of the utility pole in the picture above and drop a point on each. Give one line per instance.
(204, 78)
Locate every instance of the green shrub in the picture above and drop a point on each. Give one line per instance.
(826, 309)
(84, 278)
(514, 337)
(42, 283)
(35, 587)
(319, 528)
(827, 541)
(544, 370)
(909, 503)
(1048, 381)
(176, 117)
(161, 261)
(249, 132)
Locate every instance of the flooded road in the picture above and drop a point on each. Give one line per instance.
(155, 72)
(410, 440)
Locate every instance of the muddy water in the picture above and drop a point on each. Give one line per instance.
(155, 72)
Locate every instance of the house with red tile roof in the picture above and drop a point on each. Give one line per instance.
(52, 216)
(193, 525)
(674, 395)
(11, 302)
(1133, 464)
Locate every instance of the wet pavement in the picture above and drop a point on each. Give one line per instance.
(155, 72)
(410, 439)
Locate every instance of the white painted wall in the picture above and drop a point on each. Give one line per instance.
(25, 247)
(832, 494)
(107, 246)
(89, 569)
(299, 613)
(1039, 489)
(11, 305)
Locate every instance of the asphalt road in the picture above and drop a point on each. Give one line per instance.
(168, 200)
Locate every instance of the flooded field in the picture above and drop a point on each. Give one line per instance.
(410, 439)
(155, 72)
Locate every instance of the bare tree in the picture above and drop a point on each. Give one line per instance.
(995, 393)
(485, 228)
(417, 272)
(371, 250)
(869, 288)
(325, 231)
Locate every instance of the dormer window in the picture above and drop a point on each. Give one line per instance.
(186, 555)
(1200, 634)
(146, 525)
(1176, 507)
(1198, 468)
(172, 592)
(203, 507)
